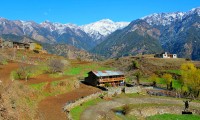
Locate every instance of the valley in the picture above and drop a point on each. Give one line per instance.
(144, 64)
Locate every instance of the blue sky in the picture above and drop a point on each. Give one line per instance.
(86, 11)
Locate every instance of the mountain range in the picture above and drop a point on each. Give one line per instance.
(176, 32)
(83, 37)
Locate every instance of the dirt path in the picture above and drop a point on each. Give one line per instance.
(51, 107)
(104, 108)
(6, 70)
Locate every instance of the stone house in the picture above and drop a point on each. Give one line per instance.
(20, 45)
(165, 55)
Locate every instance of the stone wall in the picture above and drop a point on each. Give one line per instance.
(114, 90)
(128, 90)
(69, 106)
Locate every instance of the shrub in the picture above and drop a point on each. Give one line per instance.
(56, 65)
(134, 65)
(36, 51)
(23, 73)
(188, 59)
(126, 109)
(168, 80)
(2, 60)
(107, 85)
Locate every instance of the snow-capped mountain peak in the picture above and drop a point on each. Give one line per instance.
(102, 28)
(106, 21)
(194, 11)
(163, 18)
(59, 27)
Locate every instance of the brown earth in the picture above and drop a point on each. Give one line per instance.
(5, 71)
(51, 107)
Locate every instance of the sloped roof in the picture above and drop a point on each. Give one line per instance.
(107, 73)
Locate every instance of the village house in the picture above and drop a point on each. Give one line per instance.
(1, 42)
(20, 45)
(103, 78)
(35, 46)
(7, 44)
(165, 55)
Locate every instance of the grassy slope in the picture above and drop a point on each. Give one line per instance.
(76, 112)
(174, 117)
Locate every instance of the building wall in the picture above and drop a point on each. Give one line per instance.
(165, 55)
(91, 79)
(35, 46)
(129, 90)
(32, 46)
(174, 55)
(1, 42)
(7, 44)
(114, 90)
(70, 106)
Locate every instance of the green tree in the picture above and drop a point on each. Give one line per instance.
(154, 79)
(190, 77)
(134, 65)
(168, 80)
(138, 75)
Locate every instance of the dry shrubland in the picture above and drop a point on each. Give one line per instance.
(18, 101)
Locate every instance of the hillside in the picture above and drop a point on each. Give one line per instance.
(147, 64)
(65, 50)
(125, 42)
(37, 95)
(44, 92)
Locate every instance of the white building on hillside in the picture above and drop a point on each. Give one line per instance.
(165, 55)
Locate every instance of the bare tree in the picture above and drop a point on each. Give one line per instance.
(24, 72)
(56, 65)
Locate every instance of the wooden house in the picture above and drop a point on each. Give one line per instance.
(103, 78)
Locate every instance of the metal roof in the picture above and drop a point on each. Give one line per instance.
(107, 73)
